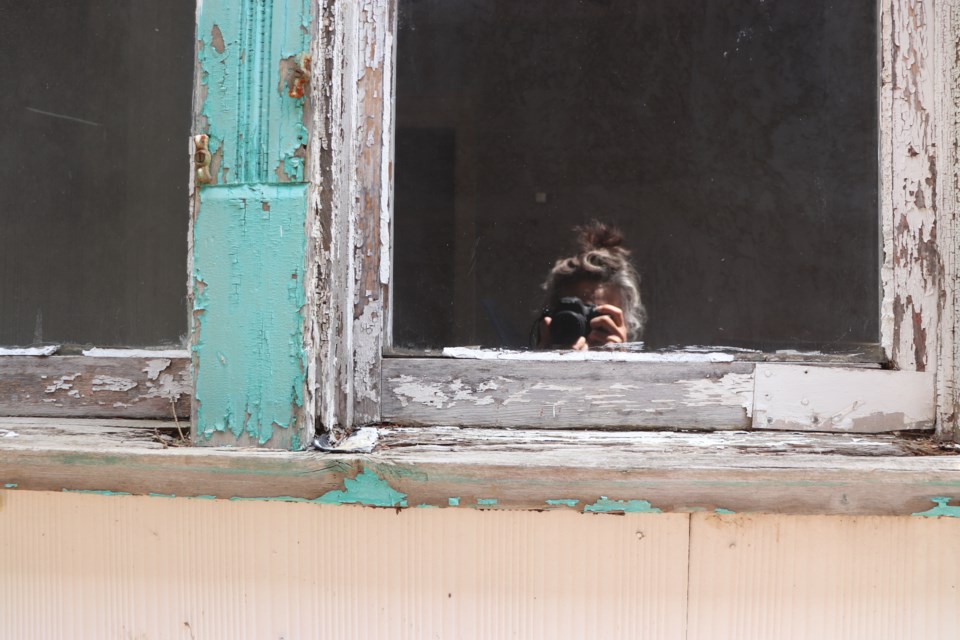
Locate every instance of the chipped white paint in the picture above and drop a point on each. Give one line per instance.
(155, 367)
(48, 350)
(367, 354)
(137, 353)
(111, 383)
(354, 211)
(511, 393)
(802, 398)
(386, 159)
(732, 389)
(584, 356)
(912, 268)
(169, 387)
(947, 42)
(63, 383)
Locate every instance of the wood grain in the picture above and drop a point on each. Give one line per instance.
(567, 394)
(95, 387)
(781, 473)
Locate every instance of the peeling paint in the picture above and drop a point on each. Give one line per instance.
(155, 367)
(48, 350)
(255, 127)
(563, 503)
(724, 512)
(732, 389)
(63, 383)
(486, 502)
(110, 383)
(582, 356)
(453, 502)
(10, 485)
(943, 508)
(248, 347)
(606, 505)
(367, 489)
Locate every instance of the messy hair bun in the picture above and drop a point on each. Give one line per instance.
(596, 235)
(603, 259)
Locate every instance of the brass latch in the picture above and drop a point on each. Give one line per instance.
(299, 78)
(201, 159)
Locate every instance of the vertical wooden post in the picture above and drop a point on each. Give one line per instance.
(354, 210)
(249, 268)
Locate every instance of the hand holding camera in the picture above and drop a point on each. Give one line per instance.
(574, 324)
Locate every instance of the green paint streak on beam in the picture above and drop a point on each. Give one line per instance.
(249, 244)
(605, 505)
(203, 497)
(453, 502)
(161, 495)
(424, 505)
(943, 508)
(367, 488)
(246, 52)
(10, 485)
(563, 503)
(724, 512)
(486, 502)
(97, 493)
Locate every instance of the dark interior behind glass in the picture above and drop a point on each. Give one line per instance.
(733, 141)
(95, 113)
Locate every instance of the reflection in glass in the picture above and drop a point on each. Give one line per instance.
(733, 143)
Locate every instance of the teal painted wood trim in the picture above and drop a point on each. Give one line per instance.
(248, 273)
(247, 51)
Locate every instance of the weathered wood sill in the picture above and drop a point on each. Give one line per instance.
(499, 469)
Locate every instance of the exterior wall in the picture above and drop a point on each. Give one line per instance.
(93, 566)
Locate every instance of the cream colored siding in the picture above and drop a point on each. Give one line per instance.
(92, 566)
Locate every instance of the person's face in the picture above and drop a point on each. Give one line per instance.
(593, 292)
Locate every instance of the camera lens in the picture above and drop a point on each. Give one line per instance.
(567, 327)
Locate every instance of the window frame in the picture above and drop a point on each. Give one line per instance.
(488, 468)
(350, 383)
(918, 167)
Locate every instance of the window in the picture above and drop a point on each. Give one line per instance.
(703, 391)
(734, 144)
(94, 207)
(290, 276)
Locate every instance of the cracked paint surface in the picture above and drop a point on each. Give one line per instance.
(943, 508)
(244, 55)
(606, 505)
(249, 243)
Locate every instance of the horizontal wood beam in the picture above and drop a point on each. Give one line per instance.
(494, 469)
(558, 395)
(101, 387)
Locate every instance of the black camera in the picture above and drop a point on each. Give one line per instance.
(570, 320)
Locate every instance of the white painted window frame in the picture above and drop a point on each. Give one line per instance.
(357, 385)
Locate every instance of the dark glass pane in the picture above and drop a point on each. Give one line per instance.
(93, 177)
(733, 142)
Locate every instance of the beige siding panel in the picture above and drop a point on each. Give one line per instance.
(759, 577)
(92, 566)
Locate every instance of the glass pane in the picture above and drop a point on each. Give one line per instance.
(734, 144)
(93, 178)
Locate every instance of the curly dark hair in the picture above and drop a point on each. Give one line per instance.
(601, 259)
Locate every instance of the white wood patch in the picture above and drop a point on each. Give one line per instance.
(804, 398)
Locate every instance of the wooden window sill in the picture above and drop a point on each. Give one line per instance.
(792, 473)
